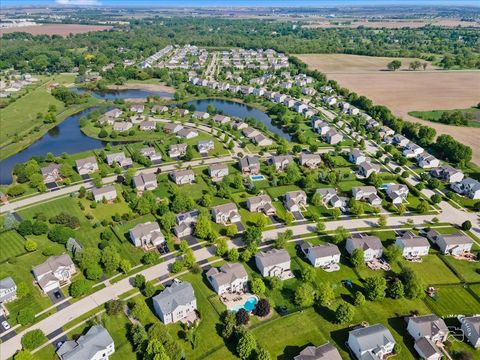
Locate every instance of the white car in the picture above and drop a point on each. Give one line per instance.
(5, 325)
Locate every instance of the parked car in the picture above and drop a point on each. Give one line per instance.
(5, 325)
(57, 294)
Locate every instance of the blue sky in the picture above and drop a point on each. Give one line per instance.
(185, 3)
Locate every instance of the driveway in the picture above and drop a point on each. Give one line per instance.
(297, 215)
(240, 227)
(191, 240)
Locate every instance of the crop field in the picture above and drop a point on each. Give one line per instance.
(56, 29)
(406, 91)
(389, 23)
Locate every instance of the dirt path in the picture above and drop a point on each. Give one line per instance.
(150, 87)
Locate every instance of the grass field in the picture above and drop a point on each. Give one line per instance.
(453, 300)
(11, 245)
(435, 115)
(57, 29)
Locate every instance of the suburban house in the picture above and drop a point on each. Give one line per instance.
(412, 150)
(250, 165)
(333, 137)
(448, 174)
(329, 196)
(217, 171)
(320, 126)
(226, 214)
(250, 132)
(373, 342)
(187, 133)
(329, 100)
(324, 352)
(428, 331)
(385, 131)
(177, 150)
(454, 244)
(204, 146)
(371, 245)
(221, 119)
(311, 161)
(471, 329)
(295, 200)
(172, 128)
(8, 291)
(114, 113)
(262, 140)
(183, 112)
(468, 187)
(309, 91)
(182, 177)
(261, 203)
(139, 108)
(281, 161)
(120, 159)
(54, 273)
(96, 344)
(150, 153)
(412, 246)
(145, 181)
(159, 109)
(109, 193)
(148, 125)
(397, 193)
(321, 255)
(87, 165)
(146, 235)
(239, 125)
(201, 115)
(274, 263)
(185, 223)
(368, 193)
(366, 169)
(356, 157)
(229, 278)
(122, 126)
(175, 303)
(400, 140)
(51, 173)
(427, 161)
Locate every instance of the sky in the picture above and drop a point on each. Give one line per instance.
(234, 3)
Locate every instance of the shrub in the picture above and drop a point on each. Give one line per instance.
(114, 307)
(30, 245)
(79, 288)
(262, 308)
(25, 316)
(242, 317)
(33, 339)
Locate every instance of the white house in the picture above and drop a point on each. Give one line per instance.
(51, 173)
(274, 263)
(321, 255)
(367, 193)
(412, 246)
(120, 159)
(371, 245)
(175, 303)
(54, 273)
(177, 150)
(312, 161)
(448, 174)
(427, 161)
(333, 137)
(217, 171)
(201, 115)
(172, 128)
(204, 146)
(281, 161)
(400, 140)
(295, 200)
(412, 150)
(145, 181)
(366, 168)
(229, 278)
(356, 157)
(146, 235)
(373, 342)
(109, 193)
(187, 133)
(186, 223)
(428, 331)
(221, 119)
(8, 291)
(454, 244)
(261, 203)
(397, 193)
(468, 187)
(87, 165)
(226, 213)
(122, 126)
(262, 140)
(320, 126)
(182, 177)
(96, 344)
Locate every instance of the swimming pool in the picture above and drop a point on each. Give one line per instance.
(249, 305)
(257, 177)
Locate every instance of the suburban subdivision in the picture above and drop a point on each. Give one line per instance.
(181, 185)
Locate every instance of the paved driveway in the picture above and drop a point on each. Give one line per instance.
(297, 215)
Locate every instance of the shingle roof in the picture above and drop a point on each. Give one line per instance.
(273, 257)
(372, 337)
(429, 325)
(52, 264)
(177, 294)
(95, 340)
(324, 352)
(227, 273)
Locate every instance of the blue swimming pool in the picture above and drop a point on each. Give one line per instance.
(249, 305)
(257, 177)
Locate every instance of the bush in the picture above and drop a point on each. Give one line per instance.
(257, 286)
(60, 234)
(25, 228)
(93, 272)
(149, 258)
(30, 245)
(262, 308)
(79, 288)
(33, 339)
(177, 266)
(242, 317)
(114, 307)
(25, 316)
(344, 313)
(148, 289)
(66, 220)
(466, 225)
(139, 281)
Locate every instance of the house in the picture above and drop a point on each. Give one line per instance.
(201, 115)
(148, 125)
(262, 140)
(448, 174)
(250, 132)
(183, 112)
(145, 181)
(250, 165)
(471, 330)
(226, 213)
(109, 193)
(159, 109)
(281, 161)
(274, 263)
(371, 245)
(300, 107)
(324, 352)
(295, 200)
(8, 291)
(321, 255)
(366, 168)
(54, 273)
(114, 113)
(172, 128)
(120, 159)
(51, 173)
(87, 165)
(185, 223)
(385, 131)
(289, 102)
(187, 133)
(279, 98)
(230, 278)
(333, 137)
(412, 246)
(261, 203)
(356, 157)
(122, 126)
(151, 153)
(329, 100)
(175, 303)
(204, 146)
(320, 126)
(309, 91)
(427, 161)
(468, 187)
(177, 150)
(96, 344)
(217, 171)
(146, 235)
(397, 193)
(239, 125)
(368, 193)
(139, 108)
(400, 140)
(221, 119)
(428, 331)
(454, 244)
(412, 150)
(373, 342)
(182, 177)
(310, 160)
(329, 196)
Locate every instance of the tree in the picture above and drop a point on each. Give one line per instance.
(304, 295)
(344, 313)
(392, 253)
(262, 308)
(33, 339)
(317, 199)
(396, 290)
(466, 225)
(79, 287)
(60, 234)
(176, 267)
(233, 255)
(414, 287)
(436, 198)
(242, 317)
(257, 286)
(114, 307)
(93, 272)
(222, 247)
(39, 228)
(155, 350)
(320, 227)
(359, 299)
(203, 228)
(394, 65)
(30, 245)
(139, 310)
(325, 294)
(336, 212)
(24, 355)
(149, 289)
(375, 287)
(341, 234)
(189, 154)
(262, 354)
(168, 220)
(138, 335)
(274, 283)
(228, 324)
(110, 259)
(25, 228)
(308, 273)
(25, 316)
(22, 290)
(357, 258)
(282, 239)
(125, 265)
(423, 207)
(401, 209)
(382, 220)
(102, 133)
(139, 281)
(252, 235)
(289, 218)
(149, 258)
(231, 230)
(189, 259)
(246, 345)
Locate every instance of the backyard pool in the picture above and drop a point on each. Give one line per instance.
(257, 177)
(248, 306)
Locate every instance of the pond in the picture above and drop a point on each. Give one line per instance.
(124, 94)
(240, 110)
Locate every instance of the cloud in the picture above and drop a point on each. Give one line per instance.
(78, 2)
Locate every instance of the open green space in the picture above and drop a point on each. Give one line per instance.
(11, 245)
(473, 114)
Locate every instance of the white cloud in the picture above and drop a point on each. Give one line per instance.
(78, 2)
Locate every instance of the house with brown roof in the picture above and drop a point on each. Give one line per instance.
(261, 203)
(182, 177)
(226, 214)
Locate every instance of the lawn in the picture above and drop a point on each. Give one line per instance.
(107, 211)
(432, 270)
(452, 301)
(51, 208)
(117, 326)
(469, 271)
(12, 244)
(122, 230)
(279, 191)
(435, 115)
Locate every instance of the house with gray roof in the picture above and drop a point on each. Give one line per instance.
(356, 157)
(281, 161)
(87, 165)
(368, 193)
(324, 352)
(371, 245)
(454, 244)
(329, 196)
(373, 342)
(217, 171)
(148, 125)
(412, 246)
(275, 262)
(172, 128)
(367, 168)
(448, 174)
(471, 330)
(226, 214)
(250, 165)
(54, 273)
(261, 203)
(468, 187)
(221, 119)
(109, 193)
(51, 173)
(204, 146)
(187, 133)
(397, 193)
(177, 150)
(145, 181)
(428, 332)
(231, 277)
(120, 159)
(312, 161)
(146, 235)
(182, 177)
(8, 290)
(122, 126)
(323, 256)
(186, 223)
(151, 153)
(96, 344)
(175, 303)
(295, 200)
(333, 137)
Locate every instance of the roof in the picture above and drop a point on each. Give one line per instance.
(103, 190)
(88, 160)
(429, 325)
(412, 240)
(227, 274)
(248, 161)
(96, 339)
(365, 242)
(7, 283)
(143, 178)
(177, 294)
(454, 239)
(254, 200)
(187, 172)
(321, 251)
(426, 347)
(272, 257)
(372, 337)
(52, 264)
(225, 208)
(143, 229)
(324, 352)
(472, 323)
(308, 157)
(50, 168)
(218, 166)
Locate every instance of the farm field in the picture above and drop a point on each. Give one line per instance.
(56, 29)
(389, 24)
(435, 115)
(400, 90)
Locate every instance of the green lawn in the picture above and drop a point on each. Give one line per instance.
(466, 269)
(51, 208)
(432, 270)
(279, 191)
(12, 244)
(453, 300)
(435, 115)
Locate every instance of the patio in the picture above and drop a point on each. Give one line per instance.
(191, 318)
(378, 264)
(331, 268)
(232, 300)
(466, 257)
